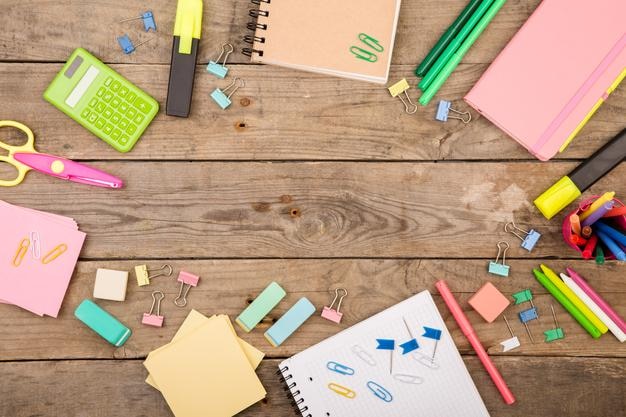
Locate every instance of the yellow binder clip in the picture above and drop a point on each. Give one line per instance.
(143, 273)
(397, 89)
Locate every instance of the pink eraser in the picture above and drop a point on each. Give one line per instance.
(152, 320)
(489, 302)
(332, 315)
(188, 278)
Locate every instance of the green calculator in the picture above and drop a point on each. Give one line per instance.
(100, 99)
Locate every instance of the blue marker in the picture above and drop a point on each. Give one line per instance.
(612, 245)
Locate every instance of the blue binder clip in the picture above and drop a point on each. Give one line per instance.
(217, 69)
(443, 113)
(496, 268)
(221, 97)
(148, 20)
(529, 241)
(527, 315)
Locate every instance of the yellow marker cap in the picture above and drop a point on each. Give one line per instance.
(557, 197)
(188, 23)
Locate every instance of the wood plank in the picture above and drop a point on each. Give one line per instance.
(243, 210)
(120, 386)
(53, 33)
(288, 115)
(227, 286)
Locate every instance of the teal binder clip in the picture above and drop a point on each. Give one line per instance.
(103, 323)
(496, 268)
(220, 97)
(217, 69)
(261, 306)
(290, 322)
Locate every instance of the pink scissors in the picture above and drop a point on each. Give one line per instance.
(25, 157)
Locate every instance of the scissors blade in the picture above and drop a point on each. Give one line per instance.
(67, 169)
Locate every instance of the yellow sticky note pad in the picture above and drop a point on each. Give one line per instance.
(196, 319)
(205, 369)
(399, 87)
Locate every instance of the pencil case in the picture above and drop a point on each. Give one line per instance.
(588, 246)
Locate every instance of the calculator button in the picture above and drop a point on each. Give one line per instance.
(115, 85)
(131, 113)
(108, 112)
(123, 139)
(142, 105)
(93, 102)
(123, 91)
(108, 128)
(116, 118)
(115, 102)
(123, 107)
(107, 96)
(138, 119)
(108, 81)
(123, 124)
(101, 91)
(131, 97)
(85, 113)
(92, 117)
(131, 129)
(100, 122)
(100, 107)
(116, 134)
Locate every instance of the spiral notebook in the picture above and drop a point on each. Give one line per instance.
(324, 36)
(350, 375)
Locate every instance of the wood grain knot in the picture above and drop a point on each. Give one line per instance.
(240, 126)
(295, 212)
(261, 207)
(286, 199)
(245, 101)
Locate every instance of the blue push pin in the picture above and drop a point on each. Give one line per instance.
(529, 241)
(500, 269)
(127, 45)
(220, 97)
(148, 20)
(217, 69)
(443, 113)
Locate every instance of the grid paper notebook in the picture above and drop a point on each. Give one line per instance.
(442, 388)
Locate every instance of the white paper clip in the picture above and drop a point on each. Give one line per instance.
(188, 280)
(220, 97)
(397, 89)
(443, 113)
(529, 241)
(513, 342)
(217, 69)
(500, 269)
(151, 318)
(335, 315)
(143, 273)
(36, 245)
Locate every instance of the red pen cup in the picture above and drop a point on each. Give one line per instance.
(585, 247)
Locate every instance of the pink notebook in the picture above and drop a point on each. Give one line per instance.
(554, 73)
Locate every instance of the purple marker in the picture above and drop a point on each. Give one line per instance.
(597, 215)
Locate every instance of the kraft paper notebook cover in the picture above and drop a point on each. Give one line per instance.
(416, 386)
(206, 370)
(554, 73)
(317, 35)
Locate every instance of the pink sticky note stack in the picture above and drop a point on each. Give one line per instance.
(33, 285)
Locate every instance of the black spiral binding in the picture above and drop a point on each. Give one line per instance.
(254, 26)
(296, 401)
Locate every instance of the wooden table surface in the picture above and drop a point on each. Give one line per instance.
(312, 181)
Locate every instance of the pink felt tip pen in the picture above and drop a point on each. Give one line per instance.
(470, 334)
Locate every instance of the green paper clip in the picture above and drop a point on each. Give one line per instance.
(523, 296)
(371, 42)
(361, 53)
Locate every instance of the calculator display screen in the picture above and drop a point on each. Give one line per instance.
(82, 86)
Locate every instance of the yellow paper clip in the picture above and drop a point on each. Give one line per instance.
(54, 253)
(143, 273)
(341, 390)
(397, 89)
(22, 249)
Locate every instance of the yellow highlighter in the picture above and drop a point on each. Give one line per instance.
(567, 292)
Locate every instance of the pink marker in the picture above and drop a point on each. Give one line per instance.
(604, 306)
(470, 334)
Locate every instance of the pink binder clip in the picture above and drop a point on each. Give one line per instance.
(334, 315)
(185, 278)
(150, 318)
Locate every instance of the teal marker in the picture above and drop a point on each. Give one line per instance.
(458, 55)
(454, 45)
(261, 306)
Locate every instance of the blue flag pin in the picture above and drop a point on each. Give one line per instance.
(435, 334)
(390, 345)
(409, 346)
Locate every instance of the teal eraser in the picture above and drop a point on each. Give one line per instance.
(289, 322)
(103, 323)
(261, 306)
